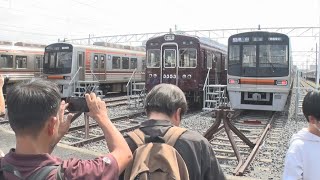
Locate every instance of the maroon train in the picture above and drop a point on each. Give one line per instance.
(184, 61)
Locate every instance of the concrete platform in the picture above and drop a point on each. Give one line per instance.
(7, 141)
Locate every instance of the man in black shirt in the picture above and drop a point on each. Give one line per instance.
(165, 104)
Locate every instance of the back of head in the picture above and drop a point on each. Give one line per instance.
(30, 104)
(165, 98)
(311, 105)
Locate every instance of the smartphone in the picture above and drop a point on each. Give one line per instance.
(77, 104)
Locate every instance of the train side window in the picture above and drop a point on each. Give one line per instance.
(125, 63)
(153, 58)
(116, 62)
(95, 62)
(209, 59)
(188, 58)
(6, 61)
(133, 63)
(102, 61)
(144, 65)
(170, 58)
(21, 61)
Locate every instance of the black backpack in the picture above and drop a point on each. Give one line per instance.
(42, 173)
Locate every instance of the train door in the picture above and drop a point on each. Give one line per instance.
(82, 69)
(249, 72)
(169, 63)
(99, 66)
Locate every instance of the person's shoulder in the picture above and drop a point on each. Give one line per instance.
(193, 136)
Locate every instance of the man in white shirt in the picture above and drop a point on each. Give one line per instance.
(303, 157)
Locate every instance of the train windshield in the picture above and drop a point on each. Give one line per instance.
(153, 58)
(57, 62)
(258, 60)
(188, 57)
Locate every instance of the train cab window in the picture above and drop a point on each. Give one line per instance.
(125, 63)
(21, 61)
(116, 62)
(102, 61)
(170, 58)
(188, 58)
(153, 58)
(249, 56)
(95, 62)
(133, 63)
(234, 55)
(6, 61)
(273, 55)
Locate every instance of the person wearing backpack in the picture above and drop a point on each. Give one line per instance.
(164, 151)
(36, 115)
(2, 103)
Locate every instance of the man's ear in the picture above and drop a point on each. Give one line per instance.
(177, 117)
(312, 119)
(51, 125)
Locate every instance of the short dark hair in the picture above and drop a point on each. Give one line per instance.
(311, 105)
(165, 98)
(30, 104)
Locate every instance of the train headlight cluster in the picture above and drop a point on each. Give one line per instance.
(189, 76)
(184, 76)
(155, 75)
(282, 82)
(233, 81)
(67, 77)
(150, 75)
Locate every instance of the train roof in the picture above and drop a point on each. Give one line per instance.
(108, 46)
(20, 46)
(202, 40)
(258, 33)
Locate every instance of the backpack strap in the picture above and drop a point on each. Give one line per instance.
(137, 136)
(41, 173)
(173, 134)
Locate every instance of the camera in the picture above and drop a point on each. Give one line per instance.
(77, 104)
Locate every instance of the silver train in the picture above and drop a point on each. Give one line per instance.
(259, 70)
(102, 66)
(20, 61)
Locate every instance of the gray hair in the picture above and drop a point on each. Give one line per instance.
(167, 99)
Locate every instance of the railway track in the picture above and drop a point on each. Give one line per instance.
(237, 143)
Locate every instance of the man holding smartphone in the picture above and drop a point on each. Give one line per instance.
(36, 115)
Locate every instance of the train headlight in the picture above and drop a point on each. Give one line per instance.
(150, 75)
(282, 82)
(184, 76)
(233, 81)
(189, 76)
(67, 77)
(155, 75)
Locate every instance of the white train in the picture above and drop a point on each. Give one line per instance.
(259, 70)
(79, 68)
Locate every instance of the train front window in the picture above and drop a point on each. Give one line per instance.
(6, 61)
(234, 60)
(249, 56)
(273, 60)
(188, 57)
(57, 62)
(170, 58)
(275, 55)
(153, 58)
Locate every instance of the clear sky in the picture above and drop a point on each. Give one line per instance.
(46, 21)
